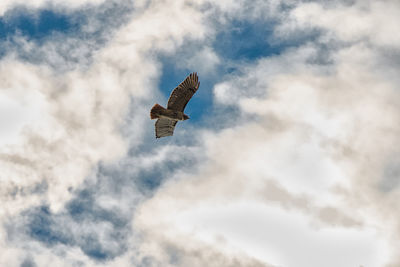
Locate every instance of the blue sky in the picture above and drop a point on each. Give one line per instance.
(277, 166)
(34, 26)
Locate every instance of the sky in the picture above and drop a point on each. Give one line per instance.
(290, 158)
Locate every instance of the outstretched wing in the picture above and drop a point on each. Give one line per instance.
(181, 95)
(165, 127)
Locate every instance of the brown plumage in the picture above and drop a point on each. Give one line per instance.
(155, 111)
(180, 96)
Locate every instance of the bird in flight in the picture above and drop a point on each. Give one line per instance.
(168, 117)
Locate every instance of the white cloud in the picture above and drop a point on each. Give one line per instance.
(81, 112)
(68, 122)
(374, 21)
(281, 237)
(302, 176)
(9, 4)
(18, 108)
(204, 61)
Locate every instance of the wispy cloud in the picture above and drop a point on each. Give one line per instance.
(312, 150)
(292, 162)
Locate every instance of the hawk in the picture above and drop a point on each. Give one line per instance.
(180, 96)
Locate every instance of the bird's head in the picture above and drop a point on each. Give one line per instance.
(185, 117)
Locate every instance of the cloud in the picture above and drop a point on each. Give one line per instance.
(305, 163)
(9, 4)
(81, 112)
(62, 39)
(204, 61)
(71, 124)
(365, 20)
(308, 165)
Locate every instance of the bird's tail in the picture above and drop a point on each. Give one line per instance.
(155, 111)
